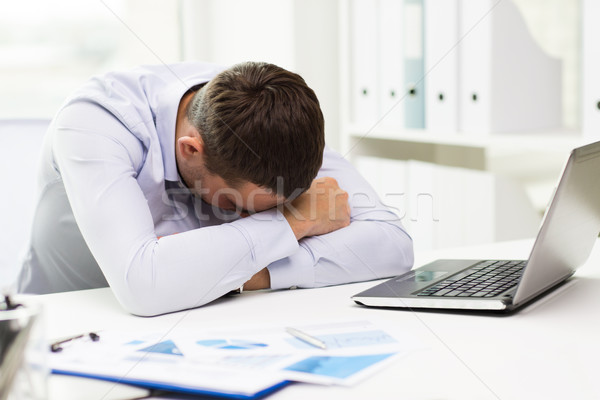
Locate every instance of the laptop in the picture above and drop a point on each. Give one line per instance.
(567, 234)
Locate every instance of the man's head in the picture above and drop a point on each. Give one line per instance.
(262, 125)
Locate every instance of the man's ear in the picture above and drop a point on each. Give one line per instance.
(191, 148)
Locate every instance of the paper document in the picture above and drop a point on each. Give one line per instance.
(244, 362)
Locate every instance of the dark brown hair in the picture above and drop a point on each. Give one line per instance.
(261, 124)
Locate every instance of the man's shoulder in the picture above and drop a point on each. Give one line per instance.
(133, 95)
(147, 77)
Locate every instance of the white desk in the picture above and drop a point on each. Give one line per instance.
(549, 350)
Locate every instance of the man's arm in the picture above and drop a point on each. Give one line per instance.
(99, 161)
(322, 209)
(374, 245)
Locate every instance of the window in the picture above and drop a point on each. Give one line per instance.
(49, 48)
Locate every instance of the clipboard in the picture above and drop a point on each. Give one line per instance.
(161, 366)
(172, 388)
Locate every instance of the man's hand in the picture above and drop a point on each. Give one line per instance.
(260, 280)
(323, 208)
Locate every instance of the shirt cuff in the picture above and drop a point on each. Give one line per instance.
(269, 235)
(297, 270)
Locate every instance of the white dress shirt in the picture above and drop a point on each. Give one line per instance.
(113, 209)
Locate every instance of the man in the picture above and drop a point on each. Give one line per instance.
(178, 184)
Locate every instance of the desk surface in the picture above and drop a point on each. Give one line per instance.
(548, 350)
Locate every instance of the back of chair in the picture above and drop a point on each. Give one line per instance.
(20, 147)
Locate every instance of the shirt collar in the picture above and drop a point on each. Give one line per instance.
(166, 120)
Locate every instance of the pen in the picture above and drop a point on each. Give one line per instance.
(306, 338)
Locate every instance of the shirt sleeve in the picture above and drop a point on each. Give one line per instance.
(150, 276)
(374, 245)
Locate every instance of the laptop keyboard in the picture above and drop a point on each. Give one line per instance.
(486, 279)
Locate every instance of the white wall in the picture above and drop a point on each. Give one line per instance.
(317, 44)
(298, 35)
(238, 30)
(148, 30)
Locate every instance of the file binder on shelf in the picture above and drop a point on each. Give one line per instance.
(441, 65)
(591, 66)
(507, 82)
(364, 65)
(391, 64)
(414, 76)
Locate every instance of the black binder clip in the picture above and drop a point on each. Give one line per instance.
(57, 346)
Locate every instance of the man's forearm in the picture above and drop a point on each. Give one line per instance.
(365, 250)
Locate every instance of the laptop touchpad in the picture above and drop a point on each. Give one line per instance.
(428, 276)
